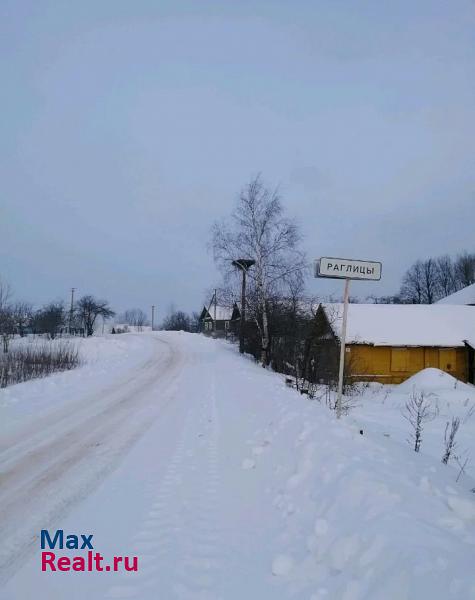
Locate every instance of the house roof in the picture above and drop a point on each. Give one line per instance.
(223, 313)
(405, 324)
(463, 296)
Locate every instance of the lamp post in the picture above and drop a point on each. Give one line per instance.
(244, 264)
(153, 314)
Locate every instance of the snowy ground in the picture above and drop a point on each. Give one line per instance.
(227, 485)
(381, 409)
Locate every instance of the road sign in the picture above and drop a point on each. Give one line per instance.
(347, 268)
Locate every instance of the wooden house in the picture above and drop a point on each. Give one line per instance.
(388, 343)
(222, 320)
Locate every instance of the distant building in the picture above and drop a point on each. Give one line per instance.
(226, 320)
(390, 342)
(126, 328)
(465, 296)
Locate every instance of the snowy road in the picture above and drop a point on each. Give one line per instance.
(57, 457)
(226, 485)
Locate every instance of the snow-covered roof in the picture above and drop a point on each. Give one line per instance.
(223, 313)
(464, 296)
(405, 324)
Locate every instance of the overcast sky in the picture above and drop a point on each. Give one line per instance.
(127, 127)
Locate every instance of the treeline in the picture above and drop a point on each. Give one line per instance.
(432, 279)
(54, 318)
(427, 281)
(134, 317)
(178, 320)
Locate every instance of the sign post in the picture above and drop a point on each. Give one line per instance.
(347, 269)
(342, 349)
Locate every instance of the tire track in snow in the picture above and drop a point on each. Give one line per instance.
(196, 576)
(177, 543)
(154, 541)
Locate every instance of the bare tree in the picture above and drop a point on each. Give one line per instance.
(7, 326)
(449, 438)
(5, 294)
(429, 271)
(465, 269)
(177, 321)
(258, 230)
(89, 308)
(195, 322)
(50, 319)
(418, 410)
(135, 317)
(7, 322)
(419, 284)
(426, 281)
(445, 276)
(412, 285)
(22, 314)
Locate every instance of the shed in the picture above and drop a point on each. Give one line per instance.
(390, 342)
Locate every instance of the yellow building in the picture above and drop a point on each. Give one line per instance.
(390, 342)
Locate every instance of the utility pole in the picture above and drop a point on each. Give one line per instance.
(214, 319)
(153, 314)
(71, 309)
(244, 264)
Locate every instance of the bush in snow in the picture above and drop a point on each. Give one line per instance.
(418, 410)
(29, 362)
(449, 438)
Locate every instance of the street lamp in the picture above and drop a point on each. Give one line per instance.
(244, 264)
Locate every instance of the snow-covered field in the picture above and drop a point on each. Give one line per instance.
(227, 484)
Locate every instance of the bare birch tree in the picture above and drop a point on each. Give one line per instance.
(259, 230)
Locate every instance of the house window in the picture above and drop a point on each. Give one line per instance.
(399, 359)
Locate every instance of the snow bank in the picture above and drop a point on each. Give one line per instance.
(380, 410)
(431, 380)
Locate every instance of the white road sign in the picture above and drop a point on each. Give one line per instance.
(346, 268)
